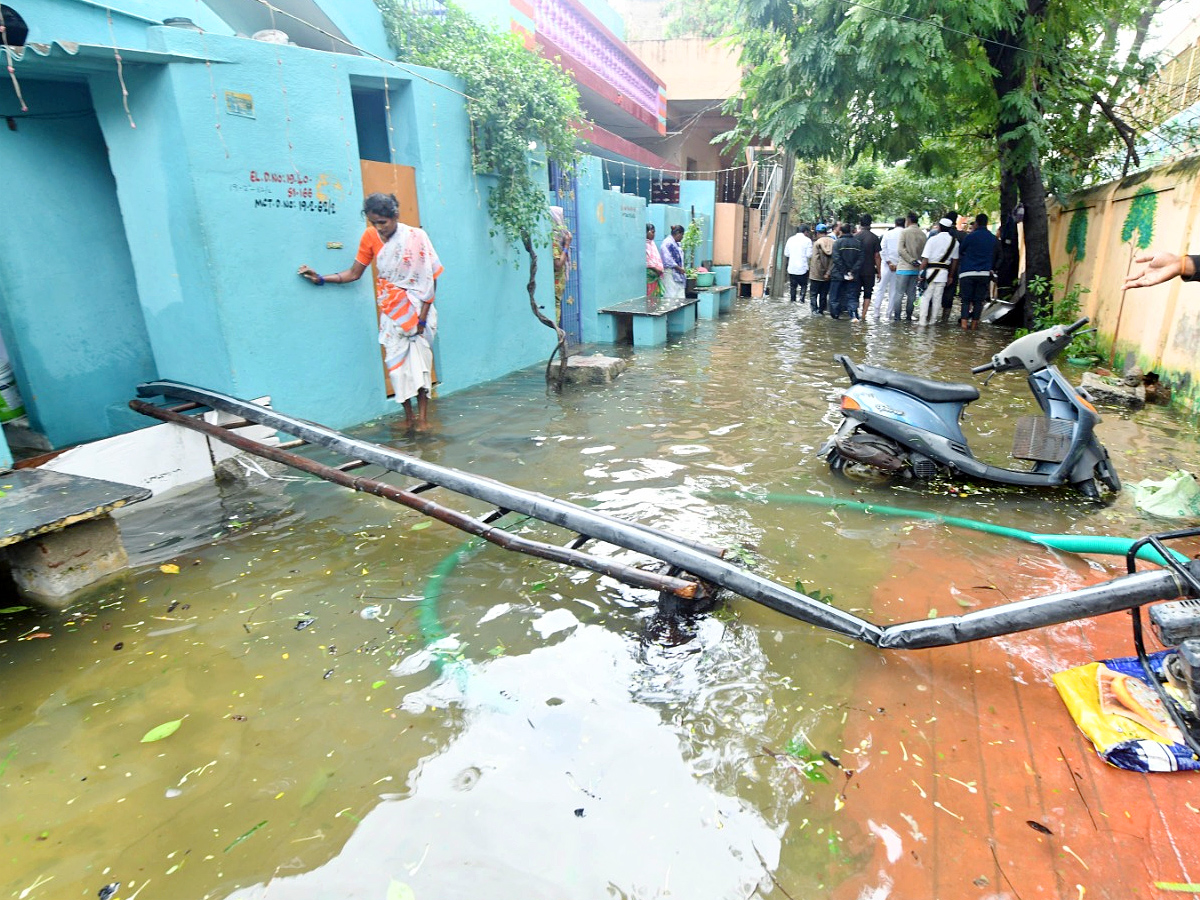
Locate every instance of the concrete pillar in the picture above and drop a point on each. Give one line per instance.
(50, 567)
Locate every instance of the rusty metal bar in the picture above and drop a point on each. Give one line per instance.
(680, 587)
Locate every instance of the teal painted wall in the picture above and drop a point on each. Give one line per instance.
(212, 212)
(68, 300)
(612, 228)
(58, 20)
(699, 199)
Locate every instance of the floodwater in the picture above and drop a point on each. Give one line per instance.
(343, 699)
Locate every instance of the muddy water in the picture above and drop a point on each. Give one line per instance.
(368, 705)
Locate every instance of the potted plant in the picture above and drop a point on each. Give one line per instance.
(690, 245)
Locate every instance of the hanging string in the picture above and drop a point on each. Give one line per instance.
(337, 82)
(437, 150)
(212, 83)
(387, 116)
(287, 111)
(120, 71)
(12, 73)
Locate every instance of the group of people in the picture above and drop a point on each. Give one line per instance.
(841, 269)
(666, 276)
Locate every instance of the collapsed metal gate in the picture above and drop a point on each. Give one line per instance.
(694, 569)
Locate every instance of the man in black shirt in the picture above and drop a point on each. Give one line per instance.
(869, 269)
(843, 275)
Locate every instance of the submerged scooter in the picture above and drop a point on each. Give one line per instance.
(899, 425)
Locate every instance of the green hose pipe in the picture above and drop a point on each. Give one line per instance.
(1072, 543)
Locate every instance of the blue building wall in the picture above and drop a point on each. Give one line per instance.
(698, 199)
(612, 228)
(244, 164)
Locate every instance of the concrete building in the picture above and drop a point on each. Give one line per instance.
(165, 177)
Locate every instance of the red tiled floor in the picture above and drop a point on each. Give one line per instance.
(973, 744)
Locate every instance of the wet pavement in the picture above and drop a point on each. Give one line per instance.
(299, 692)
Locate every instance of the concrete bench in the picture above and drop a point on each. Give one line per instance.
(712, 301)
(653, 321)
(57, 533)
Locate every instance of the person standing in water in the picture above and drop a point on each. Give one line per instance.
(408, 269)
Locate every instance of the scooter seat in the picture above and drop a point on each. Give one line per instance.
(924, 388)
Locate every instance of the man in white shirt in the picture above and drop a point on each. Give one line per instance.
(798, 250)
(889, 262)
(938, 259)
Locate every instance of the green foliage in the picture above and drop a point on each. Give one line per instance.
(809, 761)
(516, 100)
(1063, 311)
(701, 18)
(826, 189)
(1140, 218)
(814, 592)
(692, 239)
(1077, 235)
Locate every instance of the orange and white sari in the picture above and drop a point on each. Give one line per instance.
(407, 267)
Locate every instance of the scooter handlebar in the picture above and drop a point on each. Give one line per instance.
(986, 367)
(1075, 326)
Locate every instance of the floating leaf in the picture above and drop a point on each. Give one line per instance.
(399, 891)
(243, 837)
(169, 569)
(166, 729)
(377, 685)
(419, 526)
(12, 609)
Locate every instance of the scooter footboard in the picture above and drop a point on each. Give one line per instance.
(1042, 440)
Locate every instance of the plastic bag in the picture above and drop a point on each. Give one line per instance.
(1128, 732)
(1175, 497)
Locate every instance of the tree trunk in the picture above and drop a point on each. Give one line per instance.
(531, 286)
(1021, 168)
(1038, 271)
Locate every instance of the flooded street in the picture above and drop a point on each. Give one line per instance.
(299, 692)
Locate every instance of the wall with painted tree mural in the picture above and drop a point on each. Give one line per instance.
(1094, 238)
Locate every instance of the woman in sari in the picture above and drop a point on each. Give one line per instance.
(560, 237)
(654, 267)
(408, 269)
(674, 279)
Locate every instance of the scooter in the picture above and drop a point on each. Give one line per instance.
(901, 426)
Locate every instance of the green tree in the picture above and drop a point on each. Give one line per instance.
(516, 100)
(1027, 84)
(701, 18)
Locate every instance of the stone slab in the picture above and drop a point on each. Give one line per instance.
(594, 369)
(1106, 394)
(38, 501)
(51, 567)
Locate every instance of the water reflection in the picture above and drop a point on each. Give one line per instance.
(516, 729)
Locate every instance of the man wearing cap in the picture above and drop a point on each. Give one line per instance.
(912, 245)
(938, 258)
(818, 270)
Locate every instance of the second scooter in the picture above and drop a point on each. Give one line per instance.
(897, 425)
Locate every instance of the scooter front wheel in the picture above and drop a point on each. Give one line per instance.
(858, 472)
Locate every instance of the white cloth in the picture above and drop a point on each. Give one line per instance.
(798, 251)
(931, 300)
(889, 246)
(416, 353)
(935, 249)
(672, 289)
(887, 278)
